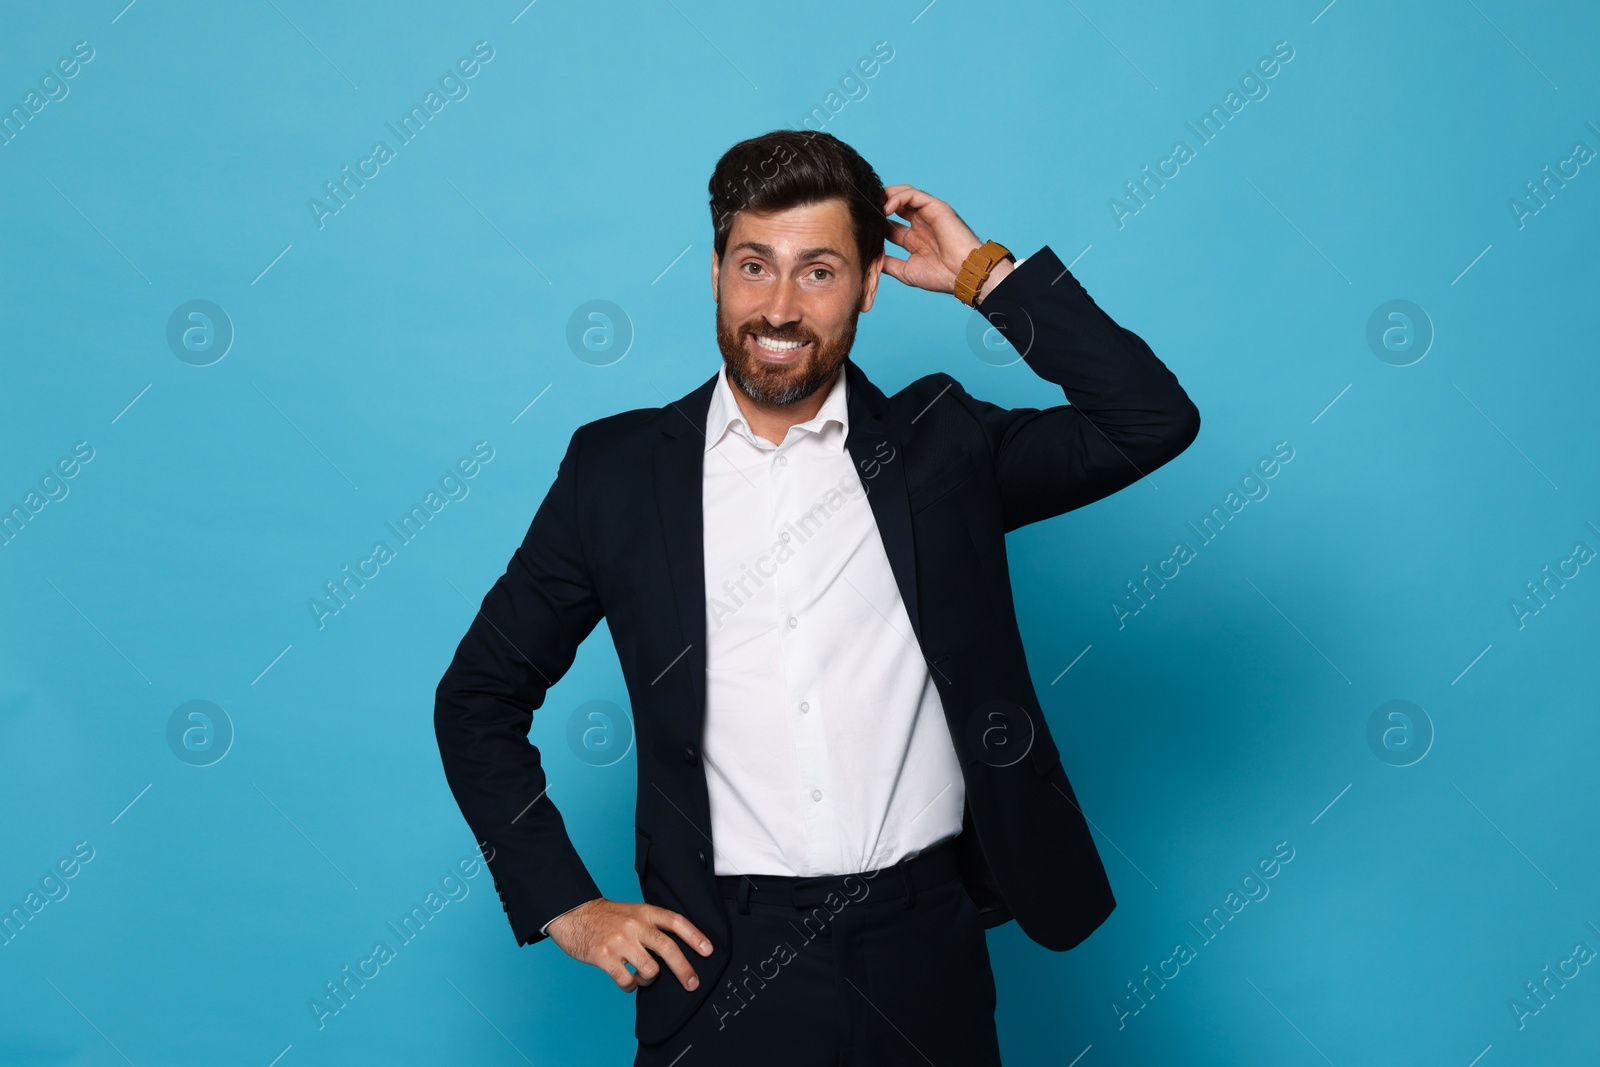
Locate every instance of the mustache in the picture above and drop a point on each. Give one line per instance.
(780, 333)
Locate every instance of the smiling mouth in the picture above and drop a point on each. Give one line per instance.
(776, 349)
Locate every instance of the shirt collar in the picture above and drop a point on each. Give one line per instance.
(724, 413)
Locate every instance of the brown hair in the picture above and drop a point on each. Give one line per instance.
(786, 168)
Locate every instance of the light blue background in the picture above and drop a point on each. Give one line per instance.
(1224, 718)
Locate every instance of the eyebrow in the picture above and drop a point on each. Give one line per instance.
(805, 253)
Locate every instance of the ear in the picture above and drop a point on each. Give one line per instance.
(716, 267)
(870, 288)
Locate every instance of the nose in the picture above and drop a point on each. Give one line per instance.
(781, 307)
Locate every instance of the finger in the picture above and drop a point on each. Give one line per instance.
(910, 201)
(902, 201)
(673, 957)
(897, 232)
(645, 967)
(891, 191)
(622, 976)
(894, 268)
(667, 919)
(613, 955)
(901, 206)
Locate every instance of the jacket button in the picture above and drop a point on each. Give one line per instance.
(689, 755)
(702, 855)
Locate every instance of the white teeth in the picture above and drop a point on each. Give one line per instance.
(778, 346)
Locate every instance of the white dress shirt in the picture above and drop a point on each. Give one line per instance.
(825, 746)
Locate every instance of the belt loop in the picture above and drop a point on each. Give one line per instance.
(911, 893)
(744, 894)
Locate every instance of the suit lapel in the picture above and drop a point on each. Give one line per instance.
(679, 478)
(877, 449)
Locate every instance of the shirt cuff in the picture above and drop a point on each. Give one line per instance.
(545, 929)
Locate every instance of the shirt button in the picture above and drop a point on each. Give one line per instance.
(793, 622)
(816, 794)
(805, 706)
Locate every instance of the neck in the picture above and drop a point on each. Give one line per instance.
(771, 422)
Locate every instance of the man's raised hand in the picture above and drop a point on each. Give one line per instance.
(610, 934)
(936, 238)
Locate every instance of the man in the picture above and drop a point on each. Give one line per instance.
(845, 775)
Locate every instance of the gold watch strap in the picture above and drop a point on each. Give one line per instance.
(975, 271)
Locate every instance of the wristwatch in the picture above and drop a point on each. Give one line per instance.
(975, 271)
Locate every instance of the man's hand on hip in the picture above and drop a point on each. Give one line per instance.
(610, 934)
(937, 240)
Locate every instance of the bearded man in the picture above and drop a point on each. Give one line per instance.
(845, 774)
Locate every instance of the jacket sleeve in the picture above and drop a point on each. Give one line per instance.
(1128, 414)
(521, 642)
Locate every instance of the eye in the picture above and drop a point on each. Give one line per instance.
(752, 263)
(824, 271)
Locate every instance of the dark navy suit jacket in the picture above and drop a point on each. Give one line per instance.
(619, 536)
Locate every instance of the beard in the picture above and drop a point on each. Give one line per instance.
(779, 384)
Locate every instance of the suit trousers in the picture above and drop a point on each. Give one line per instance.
(881, 968)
